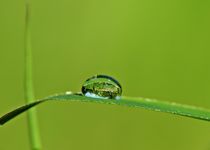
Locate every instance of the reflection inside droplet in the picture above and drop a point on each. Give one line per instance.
(102, 86)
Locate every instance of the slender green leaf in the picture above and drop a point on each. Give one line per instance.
(32, 120)
(146, 103)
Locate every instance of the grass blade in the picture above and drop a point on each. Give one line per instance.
(150, 104)
(17, 111)
(33, 129)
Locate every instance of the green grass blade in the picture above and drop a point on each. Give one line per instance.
(150, 104)
(17, 111)
(33, 128)
(146, 103)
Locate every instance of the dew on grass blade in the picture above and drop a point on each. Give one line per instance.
(102, 86)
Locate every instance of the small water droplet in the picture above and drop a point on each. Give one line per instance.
(68, 92)
(102, 86)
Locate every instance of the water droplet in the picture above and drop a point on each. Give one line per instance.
(68, 92)
(102, 86)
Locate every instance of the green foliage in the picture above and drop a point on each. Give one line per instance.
(32, 120)
(150, 104)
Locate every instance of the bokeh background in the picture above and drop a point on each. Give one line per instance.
(156, 49)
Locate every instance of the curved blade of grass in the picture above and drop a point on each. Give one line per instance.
(150, 104)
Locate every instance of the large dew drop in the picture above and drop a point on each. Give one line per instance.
(102, 86)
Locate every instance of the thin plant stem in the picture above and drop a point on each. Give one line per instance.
(137, 102)
(34, 137)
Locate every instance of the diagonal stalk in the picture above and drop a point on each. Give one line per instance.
(33, 130)
(146, 103)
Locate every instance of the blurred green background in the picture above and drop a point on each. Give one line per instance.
(156, 49)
